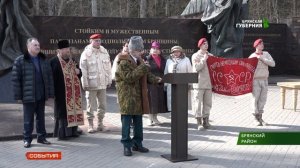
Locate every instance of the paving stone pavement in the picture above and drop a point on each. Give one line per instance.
(215, 148)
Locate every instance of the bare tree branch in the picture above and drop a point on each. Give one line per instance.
(60, 7)
(94, 8)
(167, 8)
(51, 7)
(143, 8)
(37, 7)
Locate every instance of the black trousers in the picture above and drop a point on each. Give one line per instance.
(30, 109)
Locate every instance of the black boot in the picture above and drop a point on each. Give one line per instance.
(261, 120)
(127, 151)
(206, 124)
(199, 123)
(140, 149)
(208, 121)
(257, 118)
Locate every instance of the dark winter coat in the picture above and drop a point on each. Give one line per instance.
(157, 95)
(23, 78)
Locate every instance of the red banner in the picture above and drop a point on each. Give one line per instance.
(231, 77)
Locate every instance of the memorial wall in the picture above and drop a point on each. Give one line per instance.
(168, 32)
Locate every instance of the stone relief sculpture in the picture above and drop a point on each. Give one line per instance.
(15, 28)
(221, 16)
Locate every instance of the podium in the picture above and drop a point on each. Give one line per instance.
(179, 116)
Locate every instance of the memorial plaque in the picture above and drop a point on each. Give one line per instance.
(168, 32)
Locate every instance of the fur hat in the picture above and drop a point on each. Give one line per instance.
(201, 41)
(176, 48)
(63, 44)
(136, 43)
(257, 42)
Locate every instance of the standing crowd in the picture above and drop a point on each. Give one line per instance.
(138, 80)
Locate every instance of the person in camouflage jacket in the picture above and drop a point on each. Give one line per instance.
(131, 77)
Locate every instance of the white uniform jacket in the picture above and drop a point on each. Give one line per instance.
(202, 70)
(264, 61)
(96, 68)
